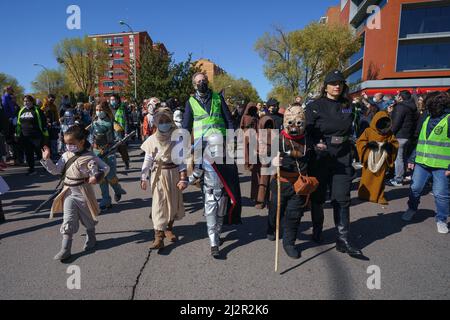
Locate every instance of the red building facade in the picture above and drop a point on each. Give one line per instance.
(405, 44)
(124, 49)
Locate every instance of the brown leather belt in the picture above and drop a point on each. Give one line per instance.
(290, 177)
(168, 166)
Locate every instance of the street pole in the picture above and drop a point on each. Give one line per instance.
(46, 75)
(135, 60)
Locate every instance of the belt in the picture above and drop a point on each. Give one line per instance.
(75, 184)
(168, 166)
(289, 177)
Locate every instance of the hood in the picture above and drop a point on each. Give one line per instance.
(251, 110)
(381, 123)
(266, 122)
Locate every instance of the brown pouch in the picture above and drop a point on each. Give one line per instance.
(305, 186)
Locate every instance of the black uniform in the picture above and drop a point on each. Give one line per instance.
(331, 121)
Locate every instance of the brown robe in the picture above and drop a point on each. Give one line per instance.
(371, 187)
(260, 183)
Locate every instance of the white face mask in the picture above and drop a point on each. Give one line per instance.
(72, 148)
(164, 127)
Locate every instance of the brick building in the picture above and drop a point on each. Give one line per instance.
(405, 44)
(210, 68)
(123, 48)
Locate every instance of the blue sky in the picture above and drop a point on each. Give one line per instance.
(223, 31)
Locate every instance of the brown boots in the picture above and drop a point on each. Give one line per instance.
(169, 233)
(159, 241)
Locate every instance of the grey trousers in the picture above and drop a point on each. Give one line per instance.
(76, 210)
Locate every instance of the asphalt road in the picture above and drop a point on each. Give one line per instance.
(412, 257)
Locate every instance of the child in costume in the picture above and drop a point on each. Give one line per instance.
(80, 169)
(167, 181)
(104, 138)
(293, 160)
(377, 149)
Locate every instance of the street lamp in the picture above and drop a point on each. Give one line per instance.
(123, 23)
(46, 75)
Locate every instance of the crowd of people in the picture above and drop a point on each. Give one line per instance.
(322, 141)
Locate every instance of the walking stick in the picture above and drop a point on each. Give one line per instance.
(277, 237)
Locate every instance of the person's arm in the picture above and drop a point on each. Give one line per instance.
(227, 114)
(55, 169)
(146, 167)
(188, 118)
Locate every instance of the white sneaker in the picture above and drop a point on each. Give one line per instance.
(442, 227)
(408, 215)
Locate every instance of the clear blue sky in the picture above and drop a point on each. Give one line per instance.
(223, 31)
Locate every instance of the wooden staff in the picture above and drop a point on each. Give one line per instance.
(277, 237)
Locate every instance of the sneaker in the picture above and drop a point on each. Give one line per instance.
(408, 215)
(395, 183)
(442, 227)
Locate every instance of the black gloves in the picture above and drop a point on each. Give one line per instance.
(388, 147)
(372, 145)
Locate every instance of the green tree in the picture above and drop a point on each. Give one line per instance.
(7, 80)
(83, 60)
(296, 62)
(236, 91)
(58, 83)
(181, 79)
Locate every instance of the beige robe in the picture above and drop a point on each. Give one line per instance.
(78, 170)
(167, 202)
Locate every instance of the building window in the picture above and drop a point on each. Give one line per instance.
(119, 72)
(119, 62)
(118, 51)
(360, 54)
(118, 40)
(425, 18)
(355, 78)
(108, 41)
(423, 56)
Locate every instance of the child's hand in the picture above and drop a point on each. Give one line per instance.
(46, 153)
(182, 185)
(92, 180)
(144, 185)
(277, 161)
(447, 173)
(411, 166)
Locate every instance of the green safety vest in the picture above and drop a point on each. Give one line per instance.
(434, 151)
(38, 115)
(206, 124)
(120, 117)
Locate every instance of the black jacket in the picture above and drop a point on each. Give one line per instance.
(404, 119)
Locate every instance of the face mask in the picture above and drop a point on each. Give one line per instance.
(72, 148)
(101, 114)
(165, 127)
(28, 105)
(113, 104)
(202, 87)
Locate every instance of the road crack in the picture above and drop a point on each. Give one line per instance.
(138, 278)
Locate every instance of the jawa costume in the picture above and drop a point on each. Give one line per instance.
(377, 149)
(167, 200)
(260, 183)
(294, 162)
(77, 199)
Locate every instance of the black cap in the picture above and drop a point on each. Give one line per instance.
(334, 76)
(273, 103)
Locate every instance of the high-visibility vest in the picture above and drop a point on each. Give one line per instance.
(434, 151)
(38, 115)
(206, 124)
(120, 117)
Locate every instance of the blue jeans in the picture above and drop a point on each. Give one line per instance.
(440, 189)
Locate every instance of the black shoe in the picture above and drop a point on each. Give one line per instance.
(103, 208)
(117, 197)
(347, 247)
(292, 252)
(127, 166)
(271, 237)
(215, 252)
(317, 237)
(2, 218)
(31, 172)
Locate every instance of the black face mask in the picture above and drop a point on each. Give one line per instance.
(202, 87)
